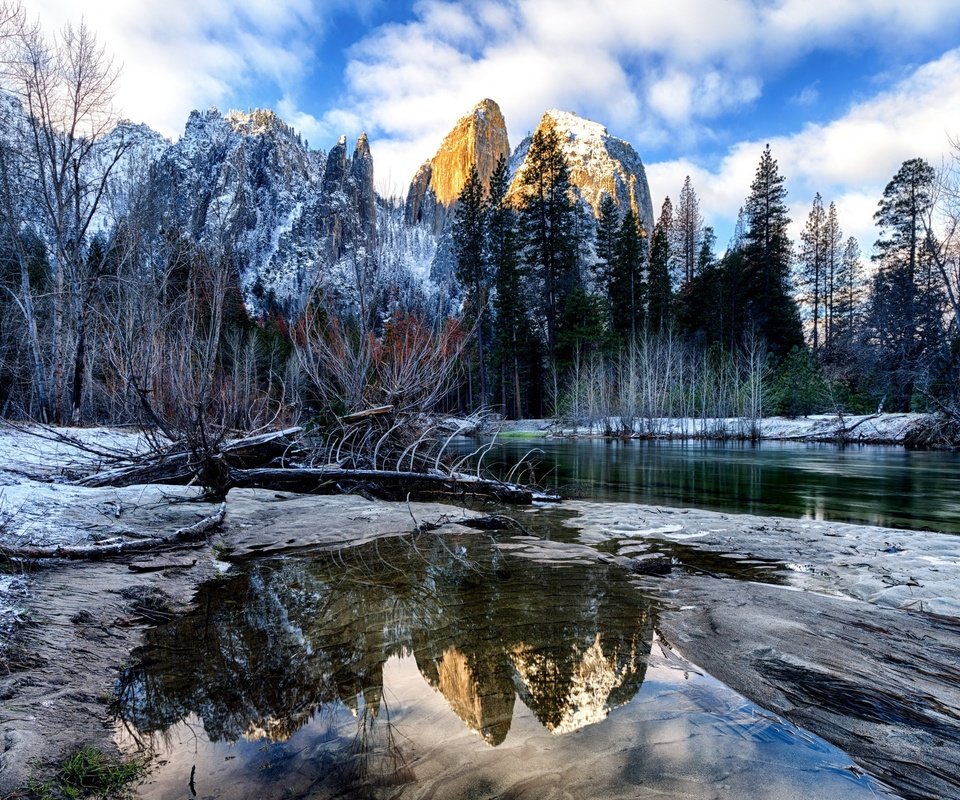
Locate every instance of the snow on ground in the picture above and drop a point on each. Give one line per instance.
(902, 569)
(869, 428)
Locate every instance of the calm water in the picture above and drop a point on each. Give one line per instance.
(449, 667)
(886, 486)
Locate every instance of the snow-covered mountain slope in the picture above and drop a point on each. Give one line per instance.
(290, 220)
(598, 162)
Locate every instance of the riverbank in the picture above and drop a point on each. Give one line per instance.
(829, 428)
(850, 631)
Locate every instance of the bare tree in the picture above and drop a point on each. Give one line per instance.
(65, 85)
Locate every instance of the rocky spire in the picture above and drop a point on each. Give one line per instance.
(478, 138)
(598, 164)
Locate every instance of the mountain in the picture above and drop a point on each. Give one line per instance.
(289, 219)
(598, 162)
(479, 137)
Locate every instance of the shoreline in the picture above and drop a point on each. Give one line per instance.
(859, 618)
(874, 429)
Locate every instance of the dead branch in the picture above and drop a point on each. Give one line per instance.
(190, 533)
(385, 484)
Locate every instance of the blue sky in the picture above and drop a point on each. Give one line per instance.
(844, 90)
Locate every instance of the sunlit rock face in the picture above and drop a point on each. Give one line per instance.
(599, 164)
(478, 138)
(477, 694)
(580, 689)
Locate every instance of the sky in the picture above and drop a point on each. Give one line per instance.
(844, 91)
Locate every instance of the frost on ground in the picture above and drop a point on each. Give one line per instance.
(899, 569)
(868, 428)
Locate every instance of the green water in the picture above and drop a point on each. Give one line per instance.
(886, 486)
(448, 666)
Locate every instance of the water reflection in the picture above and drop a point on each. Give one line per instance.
(265, 652)
(887, 486)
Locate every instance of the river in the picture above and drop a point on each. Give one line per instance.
(874, 485)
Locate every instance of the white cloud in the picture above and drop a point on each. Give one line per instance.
(178, 55)
(656, 74)
(848, 160)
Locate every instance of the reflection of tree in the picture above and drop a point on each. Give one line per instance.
(264, 651)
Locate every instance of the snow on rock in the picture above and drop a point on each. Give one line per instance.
(916, 570)
(598, 163)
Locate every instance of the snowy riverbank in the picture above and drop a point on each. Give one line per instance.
(863, 429)
(848, 630)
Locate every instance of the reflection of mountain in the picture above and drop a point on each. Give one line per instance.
(264, 652)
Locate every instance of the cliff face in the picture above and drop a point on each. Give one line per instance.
(598, 162)
(478, 138)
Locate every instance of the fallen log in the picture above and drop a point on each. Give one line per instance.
(190, 533)
(181, 466)
(385, 484)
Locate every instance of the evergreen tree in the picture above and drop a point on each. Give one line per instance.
(548, 218)
(469, 240)
(770, 310)
(688, 233)
(812, 266)
(659, 295)
(906, 304)
(626, 288)
(849, 293)
(516, 350)
(608, 226)
(833, 256)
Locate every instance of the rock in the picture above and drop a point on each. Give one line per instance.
(599, 164)
(478, 138)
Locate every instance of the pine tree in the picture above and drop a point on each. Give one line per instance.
(548, 218)
(849, 294)
(469, 240)
(833, 257)
(688, 233)
(770, 310)
(659, 294)
(812, 266)
(608, 226)
(906, 304)
(515, 347)
(626, 288)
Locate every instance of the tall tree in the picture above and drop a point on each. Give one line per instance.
(771, 311)
(473, 272)
(659, 294)
(812, 267)
(833, 258)
(906, 303)
(515, 347)
(66, 86)
(688, 233)
(626, 288)
(605, 241)
(849, 294)
(548, 218)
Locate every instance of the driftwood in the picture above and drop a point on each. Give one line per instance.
(263, 462)
(119, 547)
(182, 466)
(369, 412)
(385, 484)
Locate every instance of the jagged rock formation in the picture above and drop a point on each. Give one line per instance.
(478, 138)
(246, 187)
(599, 164)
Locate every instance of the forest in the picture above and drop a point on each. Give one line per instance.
(112, 314)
